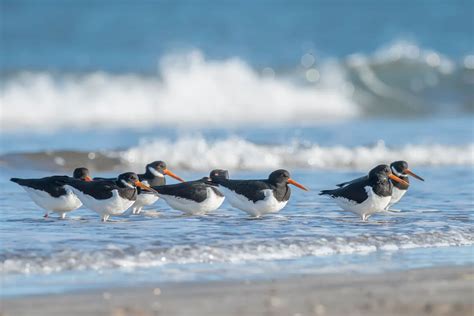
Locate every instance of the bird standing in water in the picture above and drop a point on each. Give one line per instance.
(366, 195)
(49, 192)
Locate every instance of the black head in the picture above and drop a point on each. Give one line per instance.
(157, 166)
(159, 169)
(282, 177)
(82, 174)
(128, 179)
(382, 173)
(131, 180)
(399, 167)
(219, 174)
(279, 176)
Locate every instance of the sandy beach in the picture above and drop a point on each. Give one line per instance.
(438, 291)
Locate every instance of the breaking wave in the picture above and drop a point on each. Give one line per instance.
(189, 91)
(236, 153)
(401, 79)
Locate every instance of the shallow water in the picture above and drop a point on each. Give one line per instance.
(309, 236)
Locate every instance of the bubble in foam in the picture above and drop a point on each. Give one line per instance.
(312, 75)
(307, 60)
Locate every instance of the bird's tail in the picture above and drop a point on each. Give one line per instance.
(326, 192)
(17, 180)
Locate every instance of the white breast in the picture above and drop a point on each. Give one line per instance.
(268, 205)
(211, 203)
(64, 203)
(115, 205)
(397, 194)
(145, 199)
(371, 205)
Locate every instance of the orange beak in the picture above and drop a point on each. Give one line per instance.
(296, 184)
(169, 173)
(411, 173)
(87, 179)
(144, 187)
(395, 178)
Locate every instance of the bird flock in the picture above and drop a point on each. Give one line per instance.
(377, 191)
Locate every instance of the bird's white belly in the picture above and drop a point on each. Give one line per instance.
(211, 203)
(115, 205)
(268, 205)
(371, 205)
(64, 203)
(145, 200)
(397, 194)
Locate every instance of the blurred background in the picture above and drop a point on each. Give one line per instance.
(165, 78)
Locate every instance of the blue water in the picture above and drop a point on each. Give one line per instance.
(309, 236)
(131, 37)
(326, 90)
(445, 131)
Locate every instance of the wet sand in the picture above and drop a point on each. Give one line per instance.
(440, 291)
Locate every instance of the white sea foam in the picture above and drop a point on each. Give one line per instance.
(188, 90)
(239, 154)
(265, 249)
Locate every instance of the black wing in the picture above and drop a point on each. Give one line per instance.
(52, 185)
(104, 179)
(363, 178)
(251, 189)
(100, 190)
(354, 191)
(191, 190)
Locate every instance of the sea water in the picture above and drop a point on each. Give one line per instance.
(310, 235)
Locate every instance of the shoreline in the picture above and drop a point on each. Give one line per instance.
(431, 291)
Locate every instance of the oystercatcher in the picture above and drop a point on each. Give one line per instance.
(259, 197)
(49, 192)
(108, 197)
(154, 175)
(368, 195)
(401, 170)
(194, 197)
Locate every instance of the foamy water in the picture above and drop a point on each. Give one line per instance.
(192, 90)
(236, 153)
(188, 90)
(232, 251)
(239, 154)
